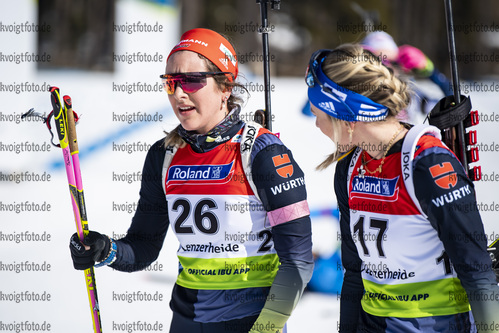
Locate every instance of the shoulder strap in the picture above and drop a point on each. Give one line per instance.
(353, 161)
(170, 152)
(407, 157)
(250, 133)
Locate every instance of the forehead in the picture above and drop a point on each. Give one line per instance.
(185, 61)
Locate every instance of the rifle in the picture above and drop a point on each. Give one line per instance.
(453, 116)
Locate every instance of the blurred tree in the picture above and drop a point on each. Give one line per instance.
(325, 24)
(82, 30)
(81, 34)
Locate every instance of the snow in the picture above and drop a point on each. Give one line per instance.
(95, 101)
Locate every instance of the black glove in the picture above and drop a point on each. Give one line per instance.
(99, 249)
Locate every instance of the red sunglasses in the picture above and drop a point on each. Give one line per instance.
(189, 82)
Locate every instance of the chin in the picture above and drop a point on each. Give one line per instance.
(189, 125)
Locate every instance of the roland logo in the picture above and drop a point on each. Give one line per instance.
(199, 172)
(375, 186)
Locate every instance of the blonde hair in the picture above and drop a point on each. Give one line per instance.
(357, 69)
(336, 125)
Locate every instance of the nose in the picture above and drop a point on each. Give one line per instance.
(179, 92)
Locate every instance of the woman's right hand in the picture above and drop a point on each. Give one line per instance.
(95, 247)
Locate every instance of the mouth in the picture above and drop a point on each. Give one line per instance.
(185, 109)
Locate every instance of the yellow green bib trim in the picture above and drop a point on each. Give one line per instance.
(228, 273)
(414, 300)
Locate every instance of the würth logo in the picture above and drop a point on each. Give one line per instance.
(444, 175)
(283, 165)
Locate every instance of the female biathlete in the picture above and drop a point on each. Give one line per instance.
(413, 244)
(232, 194)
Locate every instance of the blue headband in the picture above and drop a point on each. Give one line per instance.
(340, 102)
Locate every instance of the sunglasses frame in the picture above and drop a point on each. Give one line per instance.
(184, 78)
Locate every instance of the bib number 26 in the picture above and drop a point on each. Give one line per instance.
(206, 221)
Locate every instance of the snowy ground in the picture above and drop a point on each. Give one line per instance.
(95, 101)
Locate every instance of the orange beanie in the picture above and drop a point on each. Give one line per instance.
(211, 45)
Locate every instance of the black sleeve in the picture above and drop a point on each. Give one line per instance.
(144, 239)
(281, 187)
(447, 196)
(353, 288)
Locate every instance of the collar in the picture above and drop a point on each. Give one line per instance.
(219, 134)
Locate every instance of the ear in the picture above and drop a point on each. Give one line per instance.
(349, 125)
(225, 98)
(225, 95)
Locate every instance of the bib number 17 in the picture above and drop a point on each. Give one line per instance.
(377, 224)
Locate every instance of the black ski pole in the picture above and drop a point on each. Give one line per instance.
(264, 30)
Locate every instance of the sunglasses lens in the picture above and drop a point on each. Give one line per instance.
(313, 65)
(188, 82)
(309, 78)
(193, 82)
(168, 85)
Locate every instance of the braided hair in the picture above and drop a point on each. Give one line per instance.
(359, 70)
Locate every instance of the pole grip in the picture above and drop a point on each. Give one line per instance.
(72, 139)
